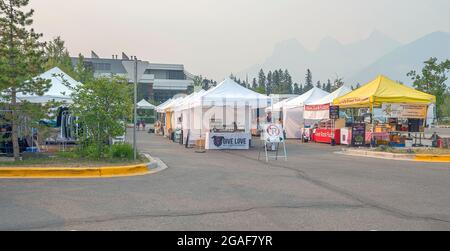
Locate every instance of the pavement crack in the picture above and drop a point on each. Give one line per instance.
(360, 199)
(136, 216)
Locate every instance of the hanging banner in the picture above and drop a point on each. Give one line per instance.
(334, 112)
(317, 112)
(404, 111)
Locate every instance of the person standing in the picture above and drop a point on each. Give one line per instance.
(269, 117)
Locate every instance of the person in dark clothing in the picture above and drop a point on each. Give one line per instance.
(269, 117)
(435, 140)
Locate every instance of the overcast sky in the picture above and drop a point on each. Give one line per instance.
(217, 37)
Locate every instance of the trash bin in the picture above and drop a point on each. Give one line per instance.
(200, 146)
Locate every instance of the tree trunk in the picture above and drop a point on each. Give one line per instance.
(12, 64)
(15, 136)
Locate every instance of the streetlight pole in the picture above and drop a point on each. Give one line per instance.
(135, 108)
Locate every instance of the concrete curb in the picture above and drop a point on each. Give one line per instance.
(70, 173)
(397, 156)
(77, 173)
(432, 158)
(155, 166)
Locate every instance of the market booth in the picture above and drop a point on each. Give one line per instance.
(277, 109)
(146, 111)
(181, 116)
(160, 118)
(329, 124)
(221, 118)
(293, 109)
(62, 124)
(403, 110)
(166, 115)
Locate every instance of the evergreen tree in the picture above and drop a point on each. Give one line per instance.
(288, 82)
(338, 83)
(328, 86)
(319, 85)
(296, 89)
(276, 82)
(205, 84)
(83, 73)
(21, 59)
(269, 84)
(308, 82)
(262, 79)
(254, 84)
(301, 89)
(57, 55)
(324, 87)
(282, 81)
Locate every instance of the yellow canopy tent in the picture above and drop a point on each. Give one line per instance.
(383, 90)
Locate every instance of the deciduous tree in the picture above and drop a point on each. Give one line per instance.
(432, 80)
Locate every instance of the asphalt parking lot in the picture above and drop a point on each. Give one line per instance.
(315, 189)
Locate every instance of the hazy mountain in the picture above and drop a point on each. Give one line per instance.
(406, 58)
(329, 59)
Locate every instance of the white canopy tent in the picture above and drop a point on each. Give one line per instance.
(278, 107)
(167, 109)
(145, 105)
(228, 92)
(293, 111)
(58, 91)
(225, 104)
(160, 108)
(181, 110)
(320, 109)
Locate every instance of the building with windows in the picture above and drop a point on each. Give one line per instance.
(158, 82)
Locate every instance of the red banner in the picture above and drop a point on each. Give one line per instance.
(317, 107)
(325, 136)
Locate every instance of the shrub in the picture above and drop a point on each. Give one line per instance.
(122, 151)
(90, 151)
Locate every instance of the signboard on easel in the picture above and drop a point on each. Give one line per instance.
(273, 134)
(358, 134)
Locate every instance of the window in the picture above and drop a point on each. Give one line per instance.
(102, 67)
(164, 95)
(167, 74)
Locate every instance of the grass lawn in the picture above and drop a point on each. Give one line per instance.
(61, 161)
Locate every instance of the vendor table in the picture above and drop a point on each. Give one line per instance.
(325, 136)
(227, 140)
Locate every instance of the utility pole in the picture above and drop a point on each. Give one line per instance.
(135, 107)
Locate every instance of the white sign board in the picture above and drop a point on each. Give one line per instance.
(273, 133)
(407, 111)
(224, 141)
(317, 112)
